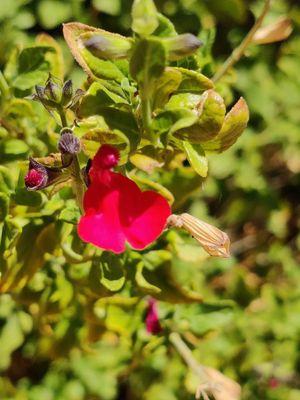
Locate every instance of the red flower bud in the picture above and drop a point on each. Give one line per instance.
(107, 157)
(152, 321)
(34, 178)
(40, 176)
(273, 383)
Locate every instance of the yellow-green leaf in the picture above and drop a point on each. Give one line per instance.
(196, 156)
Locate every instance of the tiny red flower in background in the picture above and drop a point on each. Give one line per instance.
(273, 383)
(117, 211)
(152, 321)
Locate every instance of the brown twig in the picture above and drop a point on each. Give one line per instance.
(240, 50)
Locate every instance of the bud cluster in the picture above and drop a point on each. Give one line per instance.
(56, 95)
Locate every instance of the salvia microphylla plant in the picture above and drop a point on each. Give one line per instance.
(147, 112)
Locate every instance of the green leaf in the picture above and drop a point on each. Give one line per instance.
(147, 63)
(70, 214)
(13, 149)
(165, 86)
(196, 156)
(6, 181)
(182, 183)
(111, 7)
(55, 58)
(52, 13)
(33, 67)
(27, 198)
(18, 108)
(162, 284)
(189, 101)
(144, 17)
(174, 120)
(11, 338)
(193, 82)
(93, 66)
(122, 121)
(147, 184)
(4, 206)
(103, 69)
(96, 98)
(92, 140)
(143, 282)
(155, 258)
(211, 111)
(31, 258)
(165, 27)
(112, 272)
(234, 124)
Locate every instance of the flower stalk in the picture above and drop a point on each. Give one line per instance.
(239, 51)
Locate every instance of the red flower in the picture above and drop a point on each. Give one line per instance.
(273, 383)
(34, 178)
(117, 211)
(152, 321)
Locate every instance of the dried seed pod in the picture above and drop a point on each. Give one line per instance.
(214, 241)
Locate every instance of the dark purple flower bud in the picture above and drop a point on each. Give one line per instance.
(67, 92)
(40, 91)
(152, 321)
(53, 91)
(68, 143)
(40, 176)
(40, 96)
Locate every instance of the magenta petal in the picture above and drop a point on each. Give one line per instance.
(97, 230)
(101, 224)
(151, 213)
(116, 210)
(143, 215)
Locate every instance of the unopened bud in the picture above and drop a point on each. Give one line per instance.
(40, 91)
(40, 176)
(182, 46)
(41, 97)
(68, 143)
(214, 241)
(107, 157)
(106, 45)
(152, 319)
(67, 92)
(53, 91)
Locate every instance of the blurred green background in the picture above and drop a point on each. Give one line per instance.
(252, 191)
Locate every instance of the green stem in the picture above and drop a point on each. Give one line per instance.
(63, 118)
(4, 88)
(147, 118)
(240, 50)
(77, 182)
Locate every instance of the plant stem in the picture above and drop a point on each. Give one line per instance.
(240, 50)
(77, 182)
(4, 88)
(147, 118)
(187, 355)
(63, 118)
